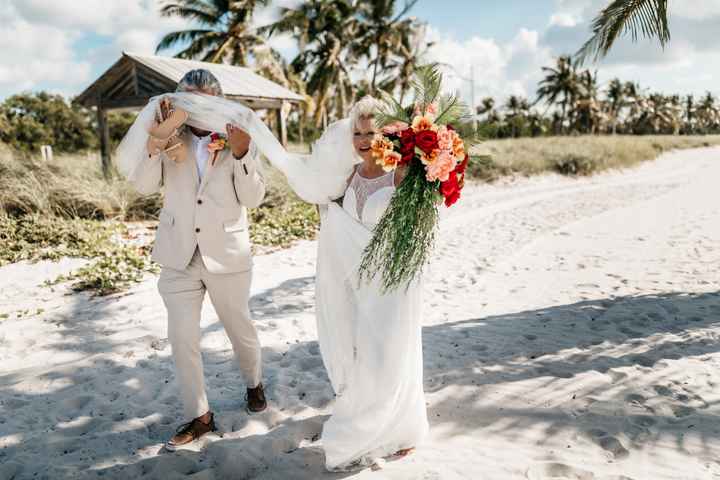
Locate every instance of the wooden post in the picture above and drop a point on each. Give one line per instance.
(282, 123)
(47, 153)
(104, 135)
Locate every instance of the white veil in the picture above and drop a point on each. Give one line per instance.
(316, 178)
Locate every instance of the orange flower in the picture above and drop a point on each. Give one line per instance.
(422, 123)
(217, 143)
(379, 145)
(458, 146)
(390, 160)
(441, 168)
(428, 159)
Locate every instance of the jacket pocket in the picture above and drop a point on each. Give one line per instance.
(166, 218)
(236, 225)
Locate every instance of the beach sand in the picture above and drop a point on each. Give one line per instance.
(571, 331)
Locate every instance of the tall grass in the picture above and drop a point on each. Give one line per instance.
(73, 187)
(68, 187)
(579, 155)
(49, 210)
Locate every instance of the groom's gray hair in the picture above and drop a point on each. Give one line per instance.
(200, 79)
(366, 107)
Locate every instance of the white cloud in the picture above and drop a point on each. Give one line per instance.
(686, 65)
(500, 70)
(563, 20)
(34, 53)
(42, 40)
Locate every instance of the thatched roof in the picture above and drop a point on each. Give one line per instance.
(133, 79)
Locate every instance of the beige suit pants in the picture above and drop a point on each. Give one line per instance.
(182, 292)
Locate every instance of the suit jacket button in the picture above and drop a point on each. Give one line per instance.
(197, 230)
(199, 201)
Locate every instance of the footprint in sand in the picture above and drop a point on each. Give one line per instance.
(561, 471)
(681, 411)
(76, 403)
(610, 444)
(547, 471)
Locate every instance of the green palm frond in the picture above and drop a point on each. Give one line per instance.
(427, 85)
(391, 111)
(451, 109)
(198, 14)
(648, 18)
(183, 36)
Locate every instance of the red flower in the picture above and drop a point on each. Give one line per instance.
(407, 146)
(460, 169)
(450, 189)
(427, 141)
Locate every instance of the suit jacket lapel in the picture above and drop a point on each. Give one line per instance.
(210, 168)
(192, 159)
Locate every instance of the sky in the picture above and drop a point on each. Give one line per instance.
(63, 45)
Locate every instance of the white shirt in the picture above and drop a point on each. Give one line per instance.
(202, 155)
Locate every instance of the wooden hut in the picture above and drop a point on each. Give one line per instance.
(134, 79)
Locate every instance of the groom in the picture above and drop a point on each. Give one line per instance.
(203, 245)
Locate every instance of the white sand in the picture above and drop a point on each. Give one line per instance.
(571, 331)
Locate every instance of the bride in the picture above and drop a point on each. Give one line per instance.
(370, 341)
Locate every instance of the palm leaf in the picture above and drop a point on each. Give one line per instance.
(183, 36)
(199, 13)
(451, 109)
(648, 18)
(427, 85)
(390, 111)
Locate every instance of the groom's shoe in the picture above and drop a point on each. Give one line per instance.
(256, 402)
(191, 431)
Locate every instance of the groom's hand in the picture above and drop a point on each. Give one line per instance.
(238, 139)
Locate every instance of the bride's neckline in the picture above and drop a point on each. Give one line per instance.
(357, 172)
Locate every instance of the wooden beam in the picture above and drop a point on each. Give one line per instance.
(104, 135)
(127, 102)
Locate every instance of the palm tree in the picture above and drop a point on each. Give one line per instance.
(616, 101)
(486, 106)
(271, 65)
(689, 115)
(560, 85)
(708, 114)
(586, 110)
(383, 32)
(410, 56)
(518, 109)
(225, 34)
(324, 31)
(636, 103)
(648, 18)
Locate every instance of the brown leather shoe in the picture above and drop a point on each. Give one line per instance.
(256, 399)
(191, 431)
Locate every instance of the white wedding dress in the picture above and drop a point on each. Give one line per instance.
(370, 342)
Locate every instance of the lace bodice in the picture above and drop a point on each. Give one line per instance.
(367, 198)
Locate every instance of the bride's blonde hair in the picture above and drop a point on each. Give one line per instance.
(366, 107)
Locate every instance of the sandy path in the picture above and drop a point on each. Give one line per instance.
(571, 331)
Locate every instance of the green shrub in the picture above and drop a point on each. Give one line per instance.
(36, 119)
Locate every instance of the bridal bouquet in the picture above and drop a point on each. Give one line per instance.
(430, 138)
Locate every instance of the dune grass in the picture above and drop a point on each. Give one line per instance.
(66, 208)
(579, 155)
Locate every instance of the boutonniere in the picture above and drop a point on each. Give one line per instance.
(217, 144)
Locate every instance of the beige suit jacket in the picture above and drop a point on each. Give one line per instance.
(210, 214)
